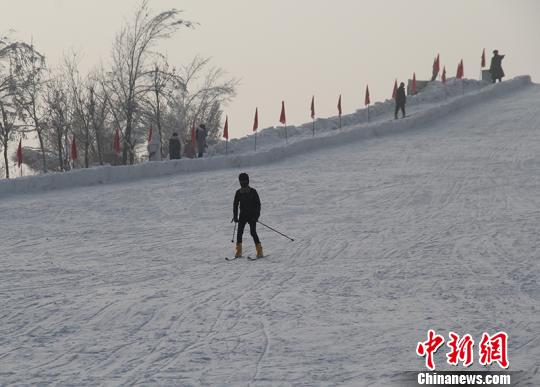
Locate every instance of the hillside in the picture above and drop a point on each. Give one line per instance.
(430, 222)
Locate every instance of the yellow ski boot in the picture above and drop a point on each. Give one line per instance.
(259, 249)
(238, 253)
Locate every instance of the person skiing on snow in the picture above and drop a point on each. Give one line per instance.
(401, 99)
(495, 69)
(250, 210)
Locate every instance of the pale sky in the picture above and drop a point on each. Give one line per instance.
(293, 49)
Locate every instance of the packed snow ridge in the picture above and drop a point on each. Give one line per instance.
(436, 101)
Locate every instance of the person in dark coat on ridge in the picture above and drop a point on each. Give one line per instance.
(200, 135)
(248, 200)
(174, 147)
(495, 69)
(401, 99)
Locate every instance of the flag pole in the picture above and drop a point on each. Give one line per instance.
(368, 114)
(255, 141)
(313, 127)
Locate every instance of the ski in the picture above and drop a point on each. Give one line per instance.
(250, 258)
(233, 258)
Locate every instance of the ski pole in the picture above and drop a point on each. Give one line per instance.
(234, 232)
(275, 231)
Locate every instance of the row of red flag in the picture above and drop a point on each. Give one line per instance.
(282, 116)
(73, 153)
(367, 100)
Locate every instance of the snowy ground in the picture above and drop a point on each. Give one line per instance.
(437, 227)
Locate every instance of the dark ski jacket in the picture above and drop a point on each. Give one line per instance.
(496, 67)
(401, 98)
(174, 148)
(250, 204)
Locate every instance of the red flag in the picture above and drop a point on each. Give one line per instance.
(226, 128)
(116, 143)
(483, 64)
(413, 84)
(394, 92)
(313, 107)
(282, 117)
(459, 73)
(193, 134)
(339, 105)
(150, 135)
(367, 100)
(73, 149)
(19, 154)
(436, 66)
(256, 120)
(443, 77)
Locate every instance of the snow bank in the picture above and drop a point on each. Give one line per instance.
(433, 103)
(434, 93)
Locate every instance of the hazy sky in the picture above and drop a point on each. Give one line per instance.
(293, 49)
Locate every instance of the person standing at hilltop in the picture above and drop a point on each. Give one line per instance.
(495, 69)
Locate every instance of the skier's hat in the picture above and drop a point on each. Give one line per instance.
(243, 177)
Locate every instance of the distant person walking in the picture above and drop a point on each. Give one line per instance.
(174, 147)
(401, 100)
(154, 148)
(200, 136)
(495, 69)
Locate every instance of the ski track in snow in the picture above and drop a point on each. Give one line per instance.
(437, 228)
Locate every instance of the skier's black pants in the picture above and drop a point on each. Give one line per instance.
(399, 106)
(252, 229)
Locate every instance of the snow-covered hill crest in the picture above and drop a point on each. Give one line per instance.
(435, 102)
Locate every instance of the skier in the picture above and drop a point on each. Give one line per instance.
(496, 67)
(401, 99)
(174, 147)
(154, 153)
(200, 135)
(250, 210)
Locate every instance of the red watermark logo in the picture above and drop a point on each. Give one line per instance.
(492, 349)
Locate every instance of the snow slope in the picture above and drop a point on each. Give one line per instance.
(435, 225)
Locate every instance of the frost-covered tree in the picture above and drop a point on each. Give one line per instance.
(200, 92)
(57, 120)
(15, 59)
(132, 60)
(30, 77)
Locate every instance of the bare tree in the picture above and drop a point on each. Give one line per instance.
(132, 51)
(29, 97)
(163, 81)
(58, 118)
(81, 93)
(8, 113)
(98, 113)
(199, 96)
(14, 60)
